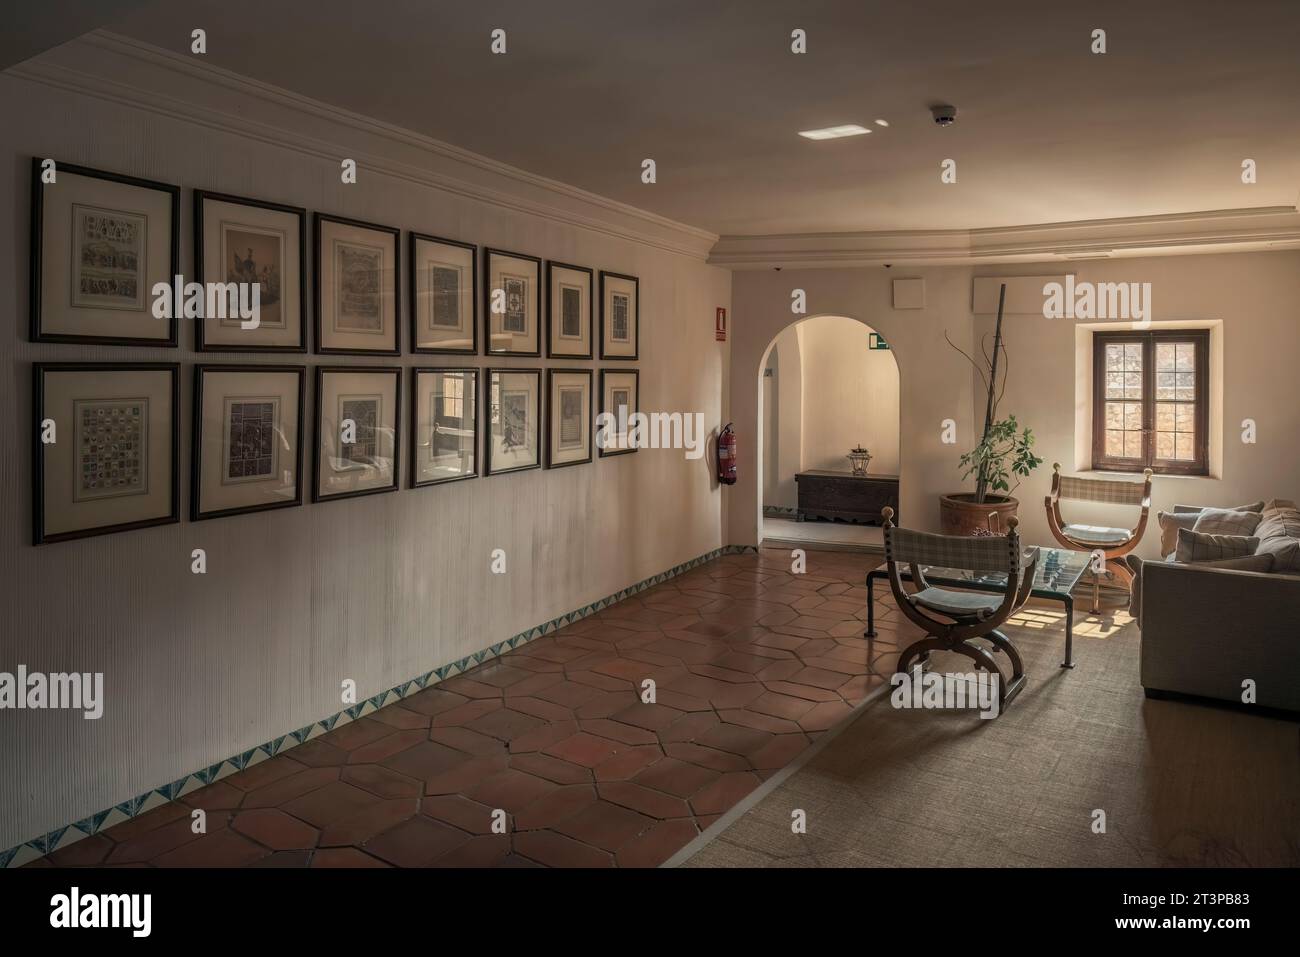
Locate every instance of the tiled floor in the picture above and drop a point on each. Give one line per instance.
(750, 664)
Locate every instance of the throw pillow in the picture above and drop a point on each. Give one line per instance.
(1203, 547)
(1252, 507)
(1222, 521)
(1170, 523)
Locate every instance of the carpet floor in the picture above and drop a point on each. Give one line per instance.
(1179, 784)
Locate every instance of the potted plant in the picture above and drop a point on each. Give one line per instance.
(1004, 450)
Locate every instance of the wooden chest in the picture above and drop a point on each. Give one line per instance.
(854, 498)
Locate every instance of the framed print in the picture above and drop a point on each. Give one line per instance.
(247, 445)
(357, 288)
(105, 449)
(444, 425)
(510, 303)
(444, 274)
(568, 424)
(248, 241)
(568, 311)
(514, 420)
(358, 418)
(100, 243)
(620, 316)
(618, 398)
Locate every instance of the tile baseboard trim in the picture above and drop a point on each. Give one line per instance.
(61, 837)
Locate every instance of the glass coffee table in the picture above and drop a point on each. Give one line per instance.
(1058, 571)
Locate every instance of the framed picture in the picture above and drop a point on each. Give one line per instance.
(444, 274)
(618, 398)
(620, 316)
(247, 242)
(357, 288)
(358, 419)
(105, 449)
(444, 418)
(568, 311)
(247, 444)
(568, 426)
(510, 303)
(100, 243)
(514, 420)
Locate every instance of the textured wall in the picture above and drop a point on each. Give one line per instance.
(378, 589)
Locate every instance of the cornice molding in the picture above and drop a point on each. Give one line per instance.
(552, 200)
(1222, 230)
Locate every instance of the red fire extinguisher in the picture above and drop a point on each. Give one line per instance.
(727, 455)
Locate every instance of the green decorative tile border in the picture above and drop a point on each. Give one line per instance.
(779, 511)
(71, 833)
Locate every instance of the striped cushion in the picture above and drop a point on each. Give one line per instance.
(1223, 521)
(1112, 491)
(1170, 523)
(990, 554)
(1196, 546)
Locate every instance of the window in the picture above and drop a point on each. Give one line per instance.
(1150, 405)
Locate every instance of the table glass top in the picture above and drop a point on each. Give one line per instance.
(1058, 571)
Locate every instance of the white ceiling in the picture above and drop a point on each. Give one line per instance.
(1047, 131)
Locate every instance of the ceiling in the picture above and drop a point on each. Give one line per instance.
(1047, 131)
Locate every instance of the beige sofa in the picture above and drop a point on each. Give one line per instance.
(1207, 630)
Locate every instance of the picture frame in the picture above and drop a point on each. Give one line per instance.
(620, 316)
(570, 299)
(512, 400)
(619, 388)
(357, 306)
(442, 402)
(273, 238)
(246, 451)
(100, 242)
(569, 423)
(112, 460)
(369, 397)
(444, 296)
(513, 279)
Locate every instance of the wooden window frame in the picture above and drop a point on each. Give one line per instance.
(1201, 442)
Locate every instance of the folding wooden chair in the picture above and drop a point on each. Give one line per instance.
(1114, 543)
(965, 615)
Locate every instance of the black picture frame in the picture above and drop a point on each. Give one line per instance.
(35, 332)
(317, 220)
(636, 342)
(551, 412)
(321, 372)
(487, 420)
(488, 253)
(415, 421)
(413, 239)
(551, 266)
(200, 342)
(636, 375)
(196, 442)
(39, 372)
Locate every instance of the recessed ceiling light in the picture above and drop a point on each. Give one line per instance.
(882, 122)
(833, 132)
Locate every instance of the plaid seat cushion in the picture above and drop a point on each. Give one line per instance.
(1112, 491)
(957, 604)
(1097, 534)
(1196, 546)
(1223, 521)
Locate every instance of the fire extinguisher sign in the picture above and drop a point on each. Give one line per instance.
(720, 325)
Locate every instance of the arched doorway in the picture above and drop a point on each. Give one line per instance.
(827, 384)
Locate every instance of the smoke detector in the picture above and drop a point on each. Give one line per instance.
(944, 114)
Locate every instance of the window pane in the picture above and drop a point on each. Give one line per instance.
(1115, 358)
(1114, 415)
(1114, 385)
(1164, 385)
(1186, 352)
(1166, 420)
(1186, 386)
(1164, 357)
(1115, 443)
(1132, 357)
(1186, 418)
(1164, 445)
(1133, 416)
(1132, 385)
(1132, 445)
(1183, 447)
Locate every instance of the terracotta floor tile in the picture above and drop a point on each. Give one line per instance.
(689, 727)
(149, 820)
(319, 753)
(425, 760)
(157, 841)
(657, 844)
(680, 701)
(403, 719)
(546, 710)
(652, 717)
(344, 857)
(511, 790)
(556, 850)
(356, 733)
(734, 738)
(471, 688)
(605, 825)
(223, 848)
(552, 769)
(465, 776)
(272, 828)
(583, 749)
(599, 682)
(557, 806)
(616, 730)
(505, 724)
(570, 694)
(470, 742)
(675, 777)
(433, 701)
(543, 736)
(463, 714)
(386, 747)
(264, 773)
(705, 757)
(607, 704)
(286, 789)
(365, 823)
(416, 842)
(759, 722)
(654, 804)
(806, 692)
(781, 705)
(819, 678)
(779, 752)
(218, 796)
(722, 795)
(825, 716)
(628, 762)
(86, 852)
(300, 858)
(331, 803)
(460, 812)
(500, 675)
(489, 850)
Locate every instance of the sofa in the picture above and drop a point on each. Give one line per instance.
(1208, 626)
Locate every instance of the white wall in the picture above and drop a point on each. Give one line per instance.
(378, 589)
(786, 358)
(850, 396)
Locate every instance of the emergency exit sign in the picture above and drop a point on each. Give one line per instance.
(877, 342)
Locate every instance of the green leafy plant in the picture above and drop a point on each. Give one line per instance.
(1005, 450)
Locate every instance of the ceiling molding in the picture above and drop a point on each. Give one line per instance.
(496, 183)
(1223, 230)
